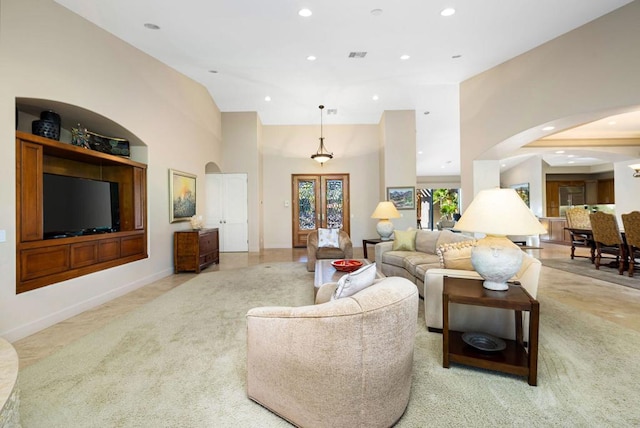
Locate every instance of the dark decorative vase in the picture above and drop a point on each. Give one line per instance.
(48, 126)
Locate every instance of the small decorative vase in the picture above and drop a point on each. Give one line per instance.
(196, 222)
(48, 126)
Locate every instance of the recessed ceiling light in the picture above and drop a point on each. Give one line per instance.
(503, 165)
(447, 11)
(375, 98)
(456, 56)
(404, 57)
(548, 128)
(559, 152)
(571, 162)
(613, 122)
(267, 98)
(151, 26)
(311, 58)
(571, 156)
(420, 152)
(305, 13)
(376, 12)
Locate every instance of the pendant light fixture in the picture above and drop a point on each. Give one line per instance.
(322, 155)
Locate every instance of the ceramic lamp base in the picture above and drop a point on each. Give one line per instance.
(497, 259)
(385, 229)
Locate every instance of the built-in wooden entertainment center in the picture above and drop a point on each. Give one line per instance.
(42, 261)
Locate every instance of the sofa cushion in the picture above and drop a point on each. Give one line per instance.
(350, 284)
(413, 260)
(449, 237)
(404, 240)
(328, 238)
(426, 241)
(329, 253)
(456, 255)
(395, 258)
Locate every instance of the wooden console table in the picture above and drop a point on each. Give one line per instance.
(516, 358)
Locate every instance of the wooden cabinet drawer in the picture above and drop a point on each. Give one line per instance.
(39, 262)
(132, 245)
(108, 249)
(84, 254)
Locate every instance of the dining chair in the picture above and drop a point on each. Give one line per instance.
(631, 223)
(608, 239)
(578, 218)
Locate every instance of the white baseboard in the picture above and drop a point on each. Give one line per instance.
(79, 307)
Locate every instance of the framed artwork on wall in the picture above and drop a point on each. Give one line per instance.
(182, 196)
(404, 198)
(523, 191)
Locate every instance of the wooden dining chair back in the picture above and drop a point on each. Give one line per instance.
(631, 223)
(608, 239)
(578, 218)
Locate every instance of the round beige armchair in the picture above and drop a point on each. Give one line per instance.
(344, 363)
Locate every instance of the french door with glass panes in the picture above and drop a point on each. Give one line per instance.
(319, 201)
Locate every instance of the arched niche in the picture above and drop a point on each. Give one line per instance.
(212, 168)
(28, 110)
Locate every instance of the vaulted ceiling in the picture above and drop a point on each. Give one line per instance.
(357, 57)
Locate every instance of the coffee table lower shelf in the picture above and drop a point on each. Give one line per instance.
(514, 359)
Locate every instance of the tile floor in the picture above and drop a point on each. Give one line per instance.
(606, 300)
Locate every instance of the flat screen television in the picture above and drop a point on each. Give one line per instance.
(74, 206)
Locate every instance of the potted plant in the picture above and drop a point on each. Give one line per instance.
(447, 200)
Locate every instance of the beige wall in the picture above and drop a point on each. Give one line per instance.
(241, 150)
(584, 75)
(48, 52)
(287, 150)
(529, 171)
(399, 162)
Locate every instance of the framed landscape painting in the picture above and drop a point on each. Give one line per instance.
(404, 198)
(182, 195)
(523, 191)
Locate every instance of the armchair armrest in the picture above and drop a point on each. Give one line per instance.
(345, 244)
(381, 248)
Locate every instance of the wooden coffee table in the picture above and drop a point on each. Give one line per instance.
(516, 358)
(325, 272)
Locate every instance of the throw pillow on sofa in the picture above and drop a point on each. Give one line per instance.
(456, 255)
(404, 240)
(356, 281)
(328, 238)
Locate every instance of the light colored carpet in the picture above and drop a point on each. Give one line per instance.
(180, 361)
(583, 266)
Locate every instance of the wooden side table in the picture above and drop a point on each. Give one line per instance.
(372, 241)
(516, 358)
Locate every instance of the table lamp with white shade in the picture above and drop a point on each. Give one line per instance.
(498, 213)
(384, 211)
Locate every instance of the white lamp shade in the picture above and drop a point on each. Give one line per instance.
(385, 210)
(499, 212)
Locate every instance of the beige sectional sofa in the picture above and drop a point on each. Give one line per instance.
(414, 264)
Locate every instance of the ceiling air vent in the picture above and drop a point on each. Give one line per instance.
(332, 111)
(357, 54)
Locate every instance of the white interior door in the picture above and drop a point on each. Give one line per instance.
(227, 210)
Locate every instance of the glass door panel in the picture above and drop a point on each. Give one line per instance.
(319, 201)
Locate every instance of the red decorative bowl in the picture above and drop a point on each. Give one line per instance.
(346, 265)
